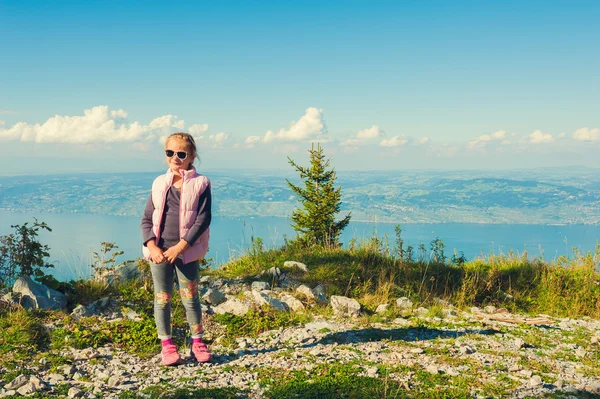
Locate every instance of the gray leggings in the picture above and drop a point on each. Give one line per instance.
(187, 275)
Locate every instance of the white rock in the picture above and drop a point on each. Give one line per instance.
(294, 264)
(261, 298)
(27, 389)
(17, 382)
(293, 303)
(260, 286)
(233, 306)
(213, 297)
(535, 381)
(306, 291)
(432, 368)
(519, 343)
(343, 306)
(74, 392)
(404, 303)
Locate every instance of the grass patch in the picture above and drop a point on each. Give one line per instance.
(257, 321)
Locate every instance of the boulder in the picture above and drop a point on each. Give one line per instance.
(213, 297)
(343, 306)
(233, 306)
(293, 264)
(261, 298)
(404, 303)
(38, 296)
(260, 286)
(306, 291)
(293, 303)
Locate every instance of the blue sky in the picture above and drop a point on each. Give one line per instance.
(96, 86)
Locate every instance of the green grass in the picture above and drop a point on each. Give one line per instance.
(369, 273)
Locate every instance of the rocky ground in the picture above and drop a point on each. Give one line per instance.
(494, 358)
(401, 351)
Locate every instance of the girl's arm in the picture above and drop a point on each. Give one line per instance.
(148, 237)
(147, 233)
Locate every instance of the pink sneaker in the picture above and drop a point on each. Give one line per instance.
(170, 356)
(200, 351)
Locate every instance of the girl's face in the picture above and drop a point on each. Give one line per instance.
(177, 147)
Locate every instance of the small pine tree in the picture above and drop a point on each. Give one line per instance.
(315, 221)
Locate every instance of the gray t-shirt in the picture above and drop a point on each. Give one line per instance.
(169, 228)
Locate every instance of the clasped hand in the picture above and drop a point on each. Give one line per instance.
(170, 255)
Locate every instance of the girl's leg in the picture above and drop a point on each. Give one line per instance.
(188, 276)
(162, 276)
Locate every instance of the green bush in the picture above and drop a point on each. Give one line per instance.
(21, 254)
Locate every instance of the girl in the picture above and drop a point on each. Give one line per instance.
(175, 235)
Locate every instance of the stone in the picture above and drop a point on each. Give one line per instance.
(293, 303)
(466, 350)
(38, 296)
(205, 280)
(26, 389)
(275, 272)
(262, 298)
(404, 303)
(213, 297)
(593, 387)
(260, 286)
(518, 343)
(594, 340)
(293, 264)
(319, 289)
(382, 308)
(306, 291)
(417, 351)
(17, 382)
(343, 306)
(432, 369)
(372, 372)
(535, 381)
(74, 392)
(79, 312)
(233, 306)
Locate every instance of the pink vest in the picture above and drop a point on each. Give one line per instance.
(193, 186)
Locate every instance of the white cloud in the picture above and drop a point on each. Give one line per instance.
(538, 137)
(395, 141)
(98, 125)
(363, 136)
(585, 134)
(484, 139)
(562, 135)
(219, 138)
(166, 122)
(423, 140)
(371, 133)
(198, 129)
(2, 122)
(310, 127)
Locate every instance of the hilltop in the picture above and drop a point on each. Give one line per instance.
(325, 323)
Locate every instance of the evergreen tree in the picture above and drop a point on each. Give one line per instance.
(315, 221)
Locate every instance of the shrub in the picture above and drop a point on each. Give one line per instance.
(21, 254)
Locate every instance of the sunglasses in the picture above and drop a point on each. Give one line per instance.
(180, 154)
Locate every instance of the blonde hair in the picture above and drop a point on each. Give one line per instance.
(189, 139)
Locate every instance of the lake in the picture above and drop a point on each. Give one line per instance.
(75, 237)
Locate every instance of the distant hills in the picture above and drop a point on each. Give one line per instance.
(548, 196)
